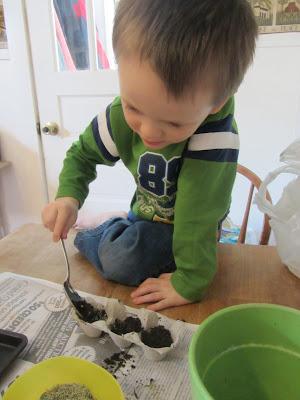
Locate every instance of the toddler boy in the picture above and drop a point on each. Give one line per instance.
(179, 64)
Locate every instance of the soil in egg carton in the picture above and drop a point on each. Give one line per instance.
(88, 312)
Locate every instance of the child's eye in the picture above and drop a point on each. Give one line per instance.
(130, 108)
(175, 125)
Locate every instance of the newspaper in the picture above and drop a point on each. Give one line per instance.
(40, 310)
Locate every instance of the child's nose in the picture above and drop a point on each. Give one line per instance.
(150, 130)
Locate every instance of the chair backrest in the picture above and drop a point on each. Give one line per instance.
(255, 183)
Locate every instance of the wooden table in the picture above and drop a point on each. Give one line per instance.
(246, 273)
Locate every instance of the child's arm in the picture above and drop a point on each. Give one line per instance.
(160, 292)
(194, 238)
(59, 216)
(204, 192)
(78, 171)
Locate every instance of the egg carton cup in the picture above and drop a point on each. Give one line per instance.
(150, 320)
(90, 329)
(115, 309)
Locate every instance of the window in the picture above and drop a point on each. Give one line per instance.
(83, 31)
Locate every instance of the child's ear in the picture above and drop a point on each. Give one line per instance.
(218, 108)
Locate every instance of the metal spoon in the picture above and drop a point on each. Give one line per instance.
(71, 294)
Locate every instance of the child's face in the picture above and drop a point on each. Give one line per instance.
(157, 117)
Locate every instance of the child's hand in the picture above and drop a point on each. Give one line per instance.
(59, 216)
(160, 292)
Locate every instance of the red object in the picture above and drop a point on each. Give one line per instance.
(80, 11)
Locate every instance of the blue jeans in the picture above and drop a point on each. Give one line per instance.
(128, 251)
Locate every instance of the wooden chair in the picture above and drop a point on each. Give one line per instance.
(255, 182)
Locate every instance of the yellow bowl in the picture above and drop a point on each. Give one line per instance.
(60, 370)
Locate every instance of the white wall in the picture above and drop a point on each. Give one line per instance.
(267, 112)
(21, 190)
(268, 102)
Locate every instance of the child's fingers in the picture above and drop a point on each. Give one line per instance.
(49, 217)
(59, 216)
(60, 228)
(146, 283)
(149, 298)
(69, 223)
(161, 305)
(64, 234)
(148, 286)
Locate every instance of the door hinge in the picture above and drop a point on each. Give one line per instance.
(38, 128)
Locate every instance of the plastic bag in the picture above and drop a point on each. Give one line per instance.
(285, 215)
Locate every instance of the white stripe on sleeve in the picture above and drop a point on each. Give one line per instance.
(105, 135)
(214, 140)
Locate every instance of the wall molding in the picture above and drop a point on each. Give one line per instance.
(291, 39)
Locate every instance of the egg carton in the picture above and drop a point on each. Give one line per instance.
(115, 309)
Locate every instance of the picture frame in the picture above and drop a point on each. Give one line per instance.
(4, 52)
(277, 16)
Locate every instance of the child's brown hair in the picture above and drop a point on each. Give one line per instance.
(189, 41)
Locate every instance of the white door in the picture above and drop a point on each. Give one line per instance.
(71, 97)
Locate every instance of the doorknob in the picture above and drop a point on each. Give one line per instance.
(51, 128)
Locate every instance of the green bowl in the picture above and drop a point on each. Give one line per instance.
(247, 352)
